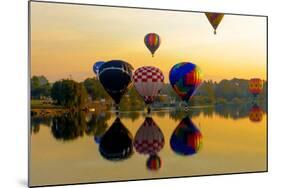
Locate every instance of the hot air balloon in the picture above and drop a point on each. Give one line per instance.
(153, 162)
(148, 82)
(117, 143)
(255, 86)
(97, 66)
(256, 113)
(116, 76)
(152, 42)
(186, 138)
(214, 19)
(185, 78)
(149, 140)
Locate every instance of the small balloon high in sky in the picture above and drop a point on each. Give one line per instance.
(214, 19)
(152, 42)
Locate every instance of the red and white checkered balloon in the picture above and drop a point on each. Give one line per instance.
(149, 138)
(148, 81)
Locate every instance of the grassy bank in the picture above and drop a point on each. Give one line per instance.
(38, 104)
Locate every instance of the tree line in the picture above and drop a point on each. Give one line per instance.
(69, 93)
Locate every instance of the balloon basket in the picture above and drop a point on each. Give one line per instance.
(148, 110)
(186, 108)
(117, 110)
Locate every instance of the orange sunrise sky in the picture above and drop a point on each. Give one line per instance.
(66, 40)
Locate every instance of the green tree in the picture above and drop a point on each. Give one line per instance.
(69, 93)
(40, 86)
(95, 89)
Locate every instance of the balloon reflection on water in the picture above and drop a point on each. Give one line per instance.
(186, 138)
(117, 143)
(256, 113)
(149, 140)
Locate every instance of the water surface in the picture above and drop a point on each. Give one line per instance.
(65, 149)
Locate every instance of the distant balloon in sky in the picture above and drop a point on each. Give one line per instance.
(214, 19)
(186, 138)
(97, 66)
(255, 86)
(117, 143)
(256, 113)
(185, 78)
(152, 42)
(116, 76)
(148, 82)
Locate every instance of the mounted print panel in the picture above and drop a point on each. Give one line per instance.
(120, 93)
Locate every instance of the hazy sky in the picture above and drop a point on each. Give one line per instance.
(68, 39)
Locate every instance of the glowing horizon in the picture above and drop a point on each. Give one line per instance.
(66, 40)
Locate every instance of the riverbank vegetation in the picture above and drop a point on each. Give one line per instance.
(67, 93)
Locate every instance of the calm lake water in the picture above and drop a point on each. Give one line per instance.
(89, 147)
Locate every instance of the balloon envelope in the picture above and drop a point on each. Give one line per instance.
(117, 143)
(186, 138)
(116, 76)
(97, 66)
(148, 82)
(214, 19)
(152, 42)
(185, 78)
(255, 86)
(154, 162)
(149, 139)
(256, 113)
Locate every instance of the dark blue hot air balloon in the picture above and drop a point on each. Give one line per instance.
(116, 76)
(97, 66)
(186, 138)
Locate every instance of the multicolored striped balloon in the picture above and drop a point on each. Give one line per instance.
(255, 86)
(154, 162)
(214, 19)
(256, 113)
(152, 42)
(185, 78)
(186, 138)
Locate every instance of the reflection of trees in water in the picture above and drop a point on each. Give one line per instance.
(97, 124)
(68, 126)
(38, 121)
(71, 125)
(133, 115)
(233, 111)
(161, 113)
(179, 115)
(208, 112)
